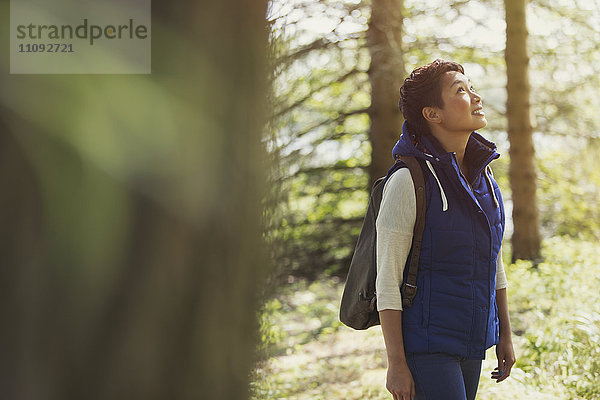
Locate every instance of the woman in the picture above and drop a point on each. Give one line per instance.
(435, 348)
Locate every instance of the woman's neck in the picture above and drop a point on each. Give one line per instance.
(454, 143)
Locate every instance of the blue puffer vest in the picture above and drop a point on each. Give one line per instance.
(455, 308)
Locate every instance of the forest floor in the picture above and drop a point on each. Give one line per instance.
(555, 315)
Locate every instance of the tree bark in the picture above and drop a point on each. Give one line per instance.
(386, 73)
(131, 217)
(522, 173)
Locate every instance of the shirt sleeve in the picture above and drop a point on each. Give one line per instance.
(501, 281)
(395, 224)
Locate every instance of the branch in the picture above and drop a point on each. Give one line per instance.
(316, 90)
(335, 136)
(318, 170)
(340, 118)
(321, 43)
(337, 221)
(334, 190)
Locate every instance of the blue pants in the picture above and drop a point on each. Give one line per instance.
(441, 376)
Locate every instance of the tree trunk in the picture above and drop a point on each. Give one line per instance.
(386, 73)
(131, 217)
(526, 236)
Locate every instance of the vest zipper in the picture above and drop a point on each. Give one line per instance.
(461, 172)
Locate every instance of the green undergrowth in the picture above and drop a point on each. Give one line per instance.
(555, 315)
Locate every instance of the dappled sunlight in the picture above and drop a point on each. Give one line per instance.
(557, 348)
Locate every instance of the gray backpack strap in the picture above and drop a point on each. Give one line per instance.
(409, 285)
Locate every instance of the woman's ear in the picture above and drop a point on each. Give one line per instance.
(431, 115)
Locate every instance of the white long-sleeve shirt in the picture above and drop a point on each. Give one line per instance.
(395, 224)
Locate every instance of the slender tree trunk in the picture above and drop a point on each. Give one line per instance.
(130, 217)
(526, 236)
(384, 40)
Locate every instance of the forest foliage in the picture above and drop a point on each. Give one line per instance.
(320, 129)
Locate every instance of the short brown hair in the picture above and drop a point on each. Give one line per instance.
(422, 89)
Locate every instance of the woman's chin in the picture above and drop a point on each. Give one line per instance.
(482, 123)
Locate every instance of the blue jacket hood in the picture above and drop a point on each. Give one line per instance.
(479, 151)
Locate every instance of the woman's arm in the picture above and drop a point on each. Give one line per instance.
(399, 380)
(395, 224)
(504, 348)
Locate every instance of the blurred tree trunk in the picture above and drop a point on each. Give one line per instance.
(522, 174)
(131, 241)
(386, 73)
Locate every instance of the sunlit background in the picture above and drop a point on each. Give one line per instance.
(330, 106)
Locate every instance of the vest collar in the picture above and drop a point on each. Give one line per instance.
(478, 153)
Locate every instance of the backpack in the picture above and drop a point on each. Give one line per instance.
(358, 307)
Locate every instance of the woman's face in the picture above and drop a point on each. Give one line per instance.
(463, 111)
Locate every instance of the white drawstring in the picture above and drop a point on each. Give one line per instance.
(489, 181)
(444, 200)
